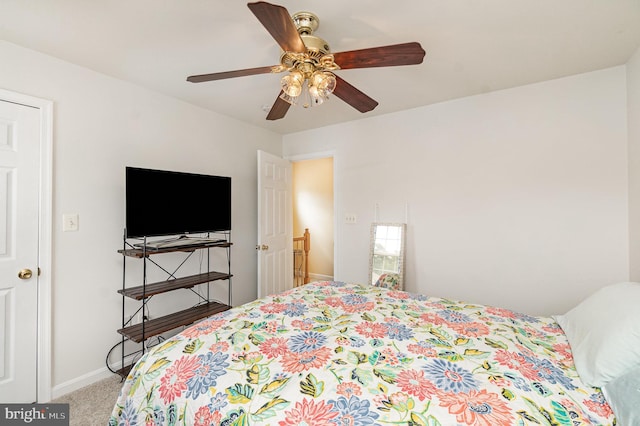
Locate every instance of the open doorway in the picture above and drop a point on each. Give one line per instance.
(313, 209)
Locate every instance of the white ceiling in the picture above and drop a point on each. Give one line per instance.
(473, 46)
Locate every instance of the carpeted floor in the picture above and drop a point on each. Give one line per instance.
(92, 405)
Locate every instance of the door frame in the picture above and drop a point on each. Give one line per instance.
(45, 214)
(316, 156)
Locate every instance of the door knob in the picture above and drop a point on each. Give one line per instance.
(25, 274)
(264, 247)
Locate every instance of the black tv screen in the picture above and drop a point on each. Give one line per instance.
(161, 202)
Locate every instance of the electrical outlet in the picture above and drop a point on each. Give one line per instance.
(350, 218)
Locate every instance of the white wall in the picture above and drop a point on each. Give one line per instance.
(516, 198)
(101, 125)
(633, 124)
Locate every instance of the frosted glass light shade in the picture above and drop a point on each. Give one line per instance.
(322, 84)
(292, 83)
(326, 84)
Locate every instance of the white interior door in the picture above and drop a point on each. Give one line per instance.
(275, 225)
(19, 195)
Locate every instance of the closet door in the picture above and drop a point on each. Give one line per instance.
(19, 218)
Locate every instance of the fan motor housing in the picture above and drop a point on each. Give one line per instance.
(315, 44)
(316, 47)
(306, 23)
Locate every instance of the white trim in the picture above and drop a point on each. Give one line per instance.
(320, 277)
(44, 237)
(336, 215)
(310, 156)
(315, 156)
(93, 376)
(80, 382)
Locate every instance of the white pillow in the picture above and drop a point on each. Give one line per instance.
(623, 395)
(604, 333)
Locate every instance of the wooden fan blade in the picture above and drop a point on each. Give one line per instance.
(280, 25)
(353, 96)
(228, 74)
(279, 108)
(384, 56)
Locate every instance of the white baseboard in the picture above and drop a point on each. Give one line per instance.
(320, 277)
(88, 379)
(80, 382)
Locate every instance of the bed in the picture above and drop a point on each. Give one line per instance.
(333, 353)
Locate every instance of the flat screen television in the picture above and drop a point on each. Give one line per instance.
(162, 202)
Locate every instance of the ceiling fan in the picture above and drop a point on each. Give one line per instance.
(310, 63)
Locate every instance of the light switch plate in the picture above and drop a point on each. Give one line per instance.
(69, 222)
(350, 218)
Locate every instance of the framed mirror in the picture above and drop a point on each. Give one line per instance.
(386, 257)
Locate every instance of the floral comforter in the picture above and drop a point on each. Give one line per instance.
(331, 353)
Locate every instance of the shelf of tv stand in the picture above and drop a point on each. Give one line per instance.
(159, 325)
(139, 252)
(124, 371)
(142, 292)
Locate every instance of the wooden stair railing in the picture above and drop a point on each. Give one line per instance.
(302, 246)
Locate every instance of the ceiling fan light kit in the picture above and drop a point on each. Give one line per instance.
(315, 88)
(310, 65)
